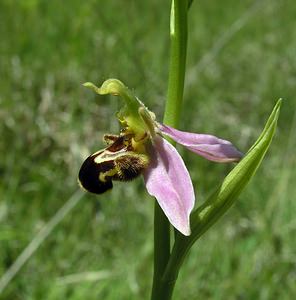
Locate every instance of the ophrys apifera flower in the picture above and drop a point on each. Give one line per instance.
(141, 148)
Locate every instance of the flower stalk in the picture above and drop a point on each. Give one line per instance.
(162, 289)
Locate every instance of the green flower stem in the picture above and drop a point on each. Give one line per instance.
(162, 289)
(178, 37)
(161, 251)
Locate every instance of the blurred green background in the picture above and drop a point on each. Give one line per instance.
(241, 59)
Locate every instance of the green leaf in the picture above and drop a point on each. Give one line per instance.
(235, 181)
(224, 197)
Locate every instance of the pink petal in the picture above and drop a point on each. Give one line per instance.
(207, 146)
(168, 180)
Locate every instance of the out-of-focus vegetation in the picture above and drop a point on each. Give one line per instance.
(241, 59)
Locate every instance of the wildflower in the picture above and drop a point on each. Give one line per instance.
(140, 148)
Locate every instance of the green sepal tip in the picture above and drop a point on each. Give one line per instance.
(128, 115)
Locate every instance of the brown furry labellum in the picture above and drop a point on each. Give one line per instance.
(118, 162)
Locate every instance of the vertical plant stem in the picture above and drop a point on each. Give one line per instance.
(178, 38)
(161, 250)
(163, 289)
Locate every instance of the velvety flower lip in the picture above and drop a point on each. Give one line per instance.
(207, 146)
(168, 180)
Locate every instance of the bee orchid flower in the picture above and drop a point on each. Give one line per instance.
(141, 148)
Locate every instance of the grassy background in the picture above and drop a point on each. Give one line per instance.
(241, 59)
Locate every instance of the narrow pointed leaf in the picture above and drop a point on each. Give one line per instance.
(271, 118)
(224, 197)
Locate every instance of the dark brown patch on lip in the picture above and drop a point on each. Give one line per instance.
(119, 158)
(122, 142)
(89, 175)
(117, 145)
